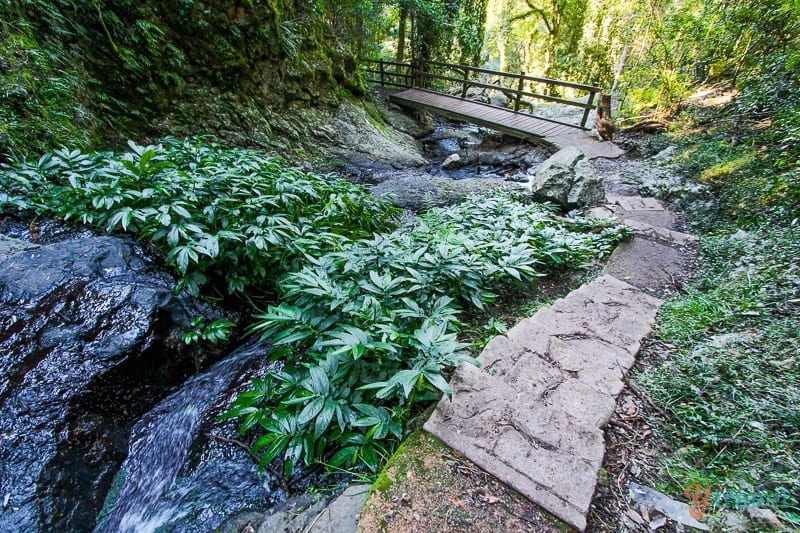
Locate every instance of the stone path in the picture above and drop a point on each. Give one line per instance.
(586, 142)
(660, 256)
(533, 414)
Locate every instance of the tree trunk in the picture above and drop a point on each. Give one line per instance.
(401, 35)
(620, 66)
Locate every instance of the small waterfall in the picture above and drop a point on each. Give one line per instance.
(175, 477)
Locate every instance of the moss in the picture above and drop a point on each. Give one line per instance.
(138, 70)
(724, 169)
(41, 96)
(400, 462)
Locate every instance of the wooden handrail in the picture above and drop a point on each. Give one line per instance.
(547, 81)
(414, 77)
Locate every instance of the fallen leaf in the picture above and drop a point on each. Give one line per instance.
(488, 498)
(636, 517)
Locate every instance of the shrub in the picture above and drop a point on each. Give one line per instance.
(237, 216)
(367, 332)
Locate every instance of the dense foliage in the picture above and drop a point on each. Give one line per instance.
(364, 320)
(118, 68)
(367, 332)
(238, 217)
(731, 384)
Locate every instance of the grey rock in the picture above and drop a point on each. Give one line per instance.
(341, 515)
(666, 153)
(358, 133)
(415, 124)
(451, 161)
(659, 233)
(587, 187)
(302, 514)
(90, 334)
(498, 99)
(655, 500)
(420, 192)
(567, 179)
(765, 517)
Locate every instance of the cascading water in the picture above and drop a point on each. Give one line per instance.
(163, 484)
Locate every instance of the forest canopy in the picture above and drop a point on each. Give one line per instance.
(71, 70)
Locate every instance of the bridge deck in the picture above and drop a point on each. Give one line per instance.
(504, 120)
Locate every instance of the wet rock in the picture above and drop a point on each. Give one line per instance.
(183, 472)
(568, 179)
(90, 335)
(419, 192)
(9, 246)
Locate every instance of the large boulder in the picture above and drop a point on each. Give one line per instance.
(358, 135)
(419, 192)
(90, 339)
(568, 179)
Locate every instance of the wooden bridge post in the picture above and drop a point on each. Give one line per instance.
(520, 86)
(605, 125)
(588, 109)
(380, 69)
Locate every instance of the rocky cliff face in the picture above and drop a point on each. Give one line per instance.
(241, 70)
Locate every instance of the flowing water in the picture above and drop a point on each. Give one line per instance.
(175, 477)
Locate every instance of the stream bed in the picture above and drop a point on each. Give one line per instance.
(108, 421)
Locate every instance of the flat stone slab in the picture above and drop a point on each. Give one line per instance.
(650, 265)
(646, 217)
(587, 143)
(636, 203)
(662, 219)
(659, 233)
(533, 414)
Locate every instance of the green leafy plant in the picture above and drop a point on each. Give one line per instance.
(215, 331)
(367, 333)
(364, 320)
(238, 217)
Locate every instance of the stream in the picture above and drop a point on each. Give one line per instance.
(108, 421)
(175, 476)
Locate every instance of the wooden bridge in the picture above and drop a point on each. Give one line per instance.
(444, 89)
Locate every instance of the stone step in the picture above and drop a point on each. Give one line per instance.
(652, 221)
(533, 414)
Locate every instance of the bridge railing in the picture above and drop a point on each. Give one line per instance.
(515, 86)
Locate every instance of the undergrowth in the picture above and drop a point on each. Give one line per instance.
(367, 333)
(362, 315)
(731, 376)
(732, 383)
(236, 217)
